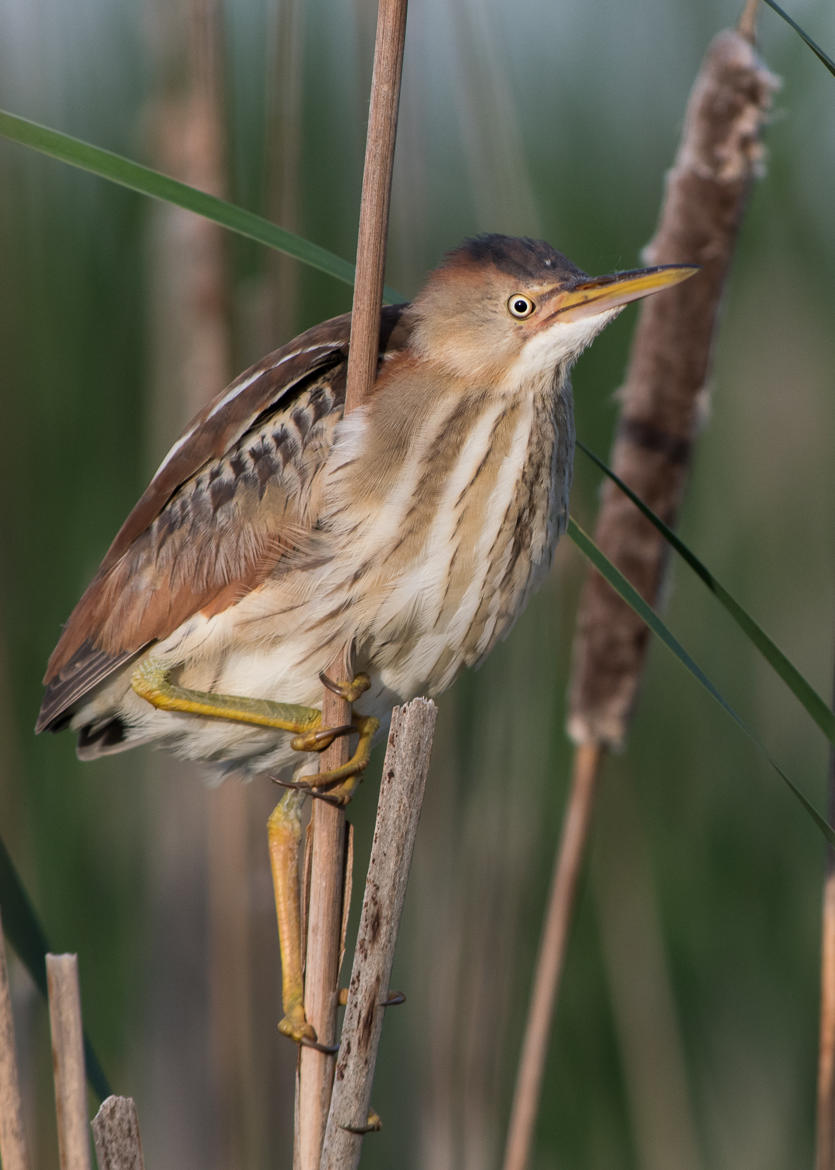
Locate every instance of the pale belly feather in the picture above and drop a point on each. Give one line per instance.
(430, 599)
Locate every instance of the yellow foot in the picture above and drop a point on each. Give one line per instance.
(295, 1026)
(338, 783)
(304, 1034)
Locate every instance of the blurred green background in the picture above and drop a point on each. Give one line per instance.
(686, 1032)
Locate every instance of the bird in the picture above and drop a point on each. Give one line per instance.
(277, 531)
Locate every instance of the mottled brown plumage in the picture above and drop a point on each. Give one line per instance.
(276, 531)
(230, 456)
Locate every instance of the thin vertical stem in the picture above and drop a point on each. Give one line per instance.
(13, 1155)
(68, 1061)
(376, 192)
(324, 921)
(328, 823)
(588, 759)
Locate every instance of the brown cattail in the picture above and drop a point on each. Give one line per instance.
(664, 395)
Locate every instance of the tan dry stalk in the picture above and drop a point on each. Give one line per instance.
(663, 401)
(567, 866)
(398, 811)
(328, 823)
(68, 1061)
(13, 1153)
(116, 1135)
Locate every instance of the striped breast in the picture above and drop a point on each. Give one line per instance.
(470, 495)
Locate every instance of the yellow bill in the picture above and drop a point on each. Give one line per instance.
(610, 292)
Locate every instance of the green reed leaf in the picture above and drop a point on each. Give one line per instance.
(803, 691)
(632, 597)
(147, 181)
(804, 36)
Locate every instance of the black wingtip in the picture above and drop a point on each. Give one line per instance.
(85, 670)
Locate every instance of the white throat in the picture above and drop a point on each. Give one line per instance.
(561, 344)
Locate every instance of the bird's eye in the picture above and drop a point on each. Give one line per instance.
(520, 306)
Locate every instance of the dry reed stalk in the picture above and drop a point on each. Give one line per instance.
(825, 1152)
(68, 1061)
(13, 1153)
(401, 797)
(567, 866)
(116, 1135)
(663, 401)
(328, 823)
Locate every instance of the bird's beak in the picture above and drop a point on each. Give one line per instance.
(601, 293)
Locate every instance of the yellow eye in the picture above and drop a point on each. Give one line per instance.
(520, 306)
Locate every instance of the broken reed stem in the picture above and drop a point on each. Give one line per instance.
(398, 811)
(327, 822)
(116, 1135)
(13, 1154)
(663, 401)
(68, 1061)
(567, 867)
(825, 1153)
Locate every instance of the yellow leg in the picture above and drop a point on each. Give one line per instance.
(151, 682)
(340, 782)
(284, 835)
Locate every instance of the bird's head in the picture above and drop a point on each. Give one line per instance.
(506, 310)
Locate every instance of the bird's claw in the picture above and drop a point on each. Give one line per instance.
(393, 999)
(373, 1125)
(339, 798)
(327, 1049)
(349, 691)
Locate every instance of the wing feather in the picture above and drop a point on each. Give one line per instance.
(232, 497)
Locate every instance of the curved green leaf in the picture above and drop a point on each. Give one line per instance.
(147, 181)
(788, 672)
(633, 599)
(804, 36)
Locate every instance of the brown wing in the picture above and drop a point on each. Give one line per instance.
(226, 504)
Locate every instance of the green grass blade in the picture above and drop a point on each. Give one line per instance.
(25, 933)
(633, 599)
(774, 656)
(146, 181)
(804, 36)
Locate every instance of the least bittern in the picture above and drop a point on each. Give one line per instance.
(275, 533)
